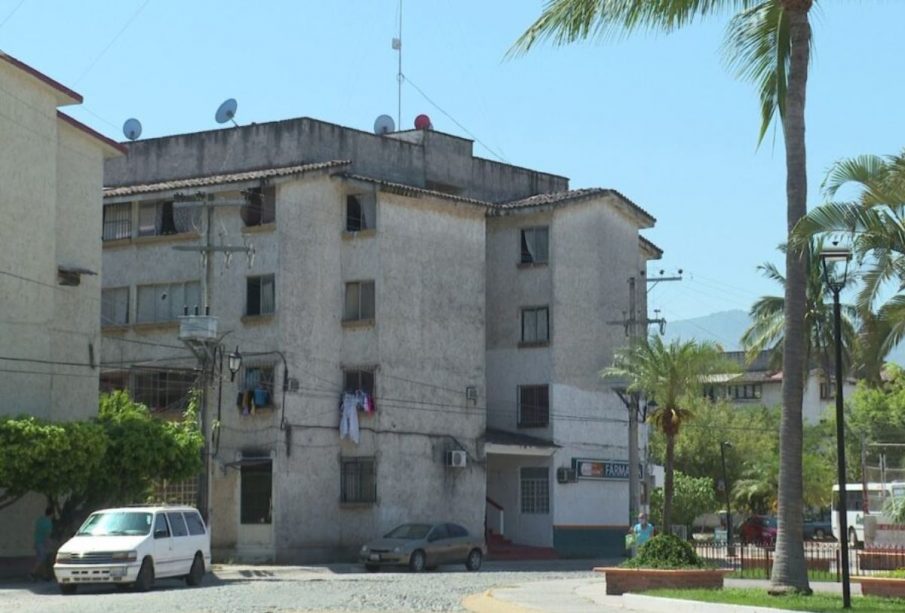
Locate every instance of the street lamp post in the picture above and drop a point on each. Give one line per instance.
(729, 550)
(830, 257)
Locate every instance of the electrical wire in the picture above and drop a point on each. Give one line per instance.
(11, 13)
(125, 26)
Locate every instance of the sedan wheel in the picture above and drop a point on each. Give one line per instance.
(417, 562)
(473, 563)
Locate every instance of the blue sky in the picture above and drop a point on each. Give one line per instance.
(657, 117)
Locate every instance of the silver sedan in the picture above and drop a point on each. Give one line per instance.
(424, 546)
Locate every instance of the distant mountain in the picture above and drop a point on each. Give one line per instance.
(727, 327)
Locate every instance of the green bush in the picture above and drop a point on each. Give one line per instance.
(665, 551)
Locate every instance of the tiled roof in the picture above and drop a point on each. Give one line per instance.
(237, 177)
(573, 195)
(410, 190)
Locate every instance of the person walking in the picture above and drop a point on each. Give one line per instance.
(641, 532)
(43, 528)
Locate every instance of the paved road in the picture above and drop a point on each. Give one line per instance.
(331, 589)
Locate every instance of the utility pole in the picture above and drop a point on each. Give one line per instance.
(198, 330)
(631, 321)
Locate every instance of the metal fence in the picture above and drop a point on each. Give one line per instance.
(823, 559)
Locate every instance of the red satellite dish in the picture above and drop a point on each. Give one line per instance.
(423, 122)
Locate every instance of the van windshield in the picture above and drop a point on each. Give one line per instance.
(116, 523)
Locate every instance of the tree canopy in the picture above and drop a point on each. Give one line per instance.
(112, 459)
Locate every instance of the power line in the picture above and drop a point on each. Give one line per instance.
(125, 26)
(11, 13)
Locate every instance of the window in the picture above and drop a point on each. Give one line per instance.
(360, 212)
(167, 301)
(114, 306)
(156, 219)
(456, 531)
(359, 301)
(438, 533)
(535, 494)
(117, 221)
(177, 523)
(113, 382)
(358, 480)
(750, 391)
(259, 207)
(535, 325)
(258, 385)
(163, 390)
(358, 380)
(535, 247)
(257, 484)
(160, 525)
(827, 390)
(260, 297)
(533, 406)
(194, 522)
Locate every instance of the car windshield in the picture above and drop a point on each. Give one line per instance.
(409, 531)
(770, 522)
(116, 523)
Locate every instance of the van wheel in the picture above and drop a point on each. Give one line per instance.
(67, 589)
(145, 579)
(196, 574)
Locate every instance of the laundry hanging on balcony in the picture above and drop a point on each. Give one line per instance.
(348, 418)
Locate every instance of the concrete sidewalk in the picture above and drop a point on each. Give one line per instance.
(589, 595)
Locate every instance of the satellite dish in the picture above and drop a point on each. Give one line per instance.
(423, 122)
(227, 111)
(132, 128)
(384, 125)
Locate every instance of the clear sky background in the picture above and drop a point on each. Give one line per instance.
(658, 117)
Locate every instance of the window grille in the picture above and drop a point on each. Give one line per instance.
(358, 380)
(535, 490)
(533, 406)
(358, 480)
(117, 221)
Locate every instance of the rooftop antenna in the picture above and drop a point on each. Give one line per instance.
(132, 128)
(227, 111)
(384, 125)
(397, 45)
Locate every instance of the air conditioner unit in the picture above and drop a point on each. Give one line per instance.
(456, 458)
(565, 474)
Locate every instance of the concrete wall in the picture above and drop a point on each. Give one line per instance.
(419, 158)
(50, 193)
(504, 487)
(593, 251)
(427, 260)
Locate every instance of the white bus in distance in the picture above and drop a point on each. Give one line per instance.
(877, 495)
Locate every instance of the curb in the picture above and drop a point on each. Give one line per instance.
(485, 602)
(653, 604)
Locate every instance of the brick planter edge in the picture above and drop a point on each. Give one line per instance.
(621, 580)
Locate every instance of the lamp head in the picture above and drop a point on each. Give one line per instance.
(831, 256)
(234, 363)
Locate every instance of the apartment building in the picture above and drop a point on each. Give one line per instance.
(51, 169)
(420, 330)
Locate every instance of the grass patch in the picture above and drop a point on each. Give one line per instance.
(817, 602)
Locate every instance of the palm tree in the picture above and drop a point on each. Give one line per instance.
(769, 43)
(875, 220)
(672, 376)
(767, 332)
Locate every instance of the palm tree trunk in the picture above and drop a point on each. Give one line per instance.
(789, 569)
(668, 482)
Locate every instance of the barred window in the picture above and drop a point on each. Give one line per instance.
(533, 406)
(156, 219)
(358, 480)
(358, 380)
(163, 390)
(535, 491)
(117, 221)
(259, 207)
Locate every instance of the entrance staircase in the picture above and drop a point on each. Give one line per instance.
(500, 548)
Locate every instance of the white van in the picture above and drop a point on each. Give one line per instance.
(133, 546)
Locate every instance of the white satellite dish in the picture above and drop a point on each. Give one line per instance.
(132, 128)
(227, 111)
(384, 125)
